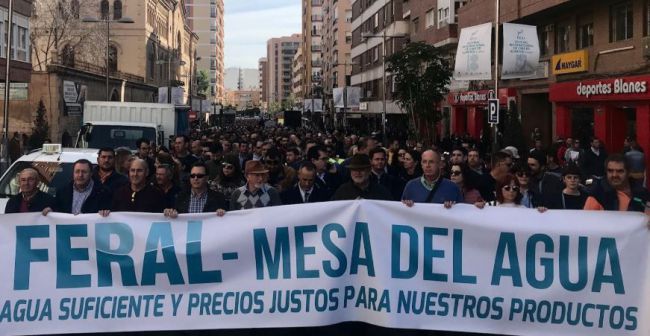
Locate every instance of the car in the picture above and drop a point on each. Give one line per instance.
(53, 164)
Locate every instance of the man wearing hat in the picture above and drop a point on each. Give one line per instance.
(255, 193)
(360, 187)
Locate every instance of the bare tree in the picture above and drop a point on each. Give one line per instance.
(58, 35)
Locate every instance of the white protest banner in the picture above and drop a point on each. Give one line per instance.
(520, 51)
(353, 96)
(337, 94)
(473, 60)
(495, 270)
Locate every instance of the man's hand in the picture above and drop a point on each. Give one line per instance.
(408, 203)
(221, 212)
(104, 213)
(171, 213)
(46, 211)
(449, 204)
(480, 204)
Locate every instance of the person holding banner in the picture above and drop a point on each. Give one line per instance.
(30, 199)
(361, 187)
(199, 198)
(82, 195)
(616, 193)
(431, 187)
(138, 195)
(255, 193)
(306, 190)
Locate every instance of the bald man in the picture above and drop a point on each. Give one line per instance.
(30, 199)
(431, 187)
(138, 195)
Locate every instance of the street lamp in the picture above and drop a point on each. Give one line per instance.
(383, 36)
(108, 22)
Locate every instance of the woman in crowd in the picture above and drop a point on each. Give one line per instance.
(411, 166)
(529, 198)
(230, 177)
(459, 174)
(509, 194)
(573, 196)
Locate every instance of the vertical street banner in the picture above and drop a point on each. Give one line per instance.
(74, 96)
(337, 94)
(505, 271)
(520, 51)
(473, 56)
(353, 96)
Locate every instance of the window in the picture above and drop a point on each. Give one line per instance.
(74, 8)
(430, 19)
(67, 56)
(585, 32)
(544, 41)
(104, 9)
(117, 10)
(443, 16)
(112, 59)
(416, 25)
(620, 21)
(562, 38)
(21, 46)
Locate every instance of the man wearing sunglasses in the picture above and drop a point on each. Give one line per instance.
(199, 198)
(281, 177)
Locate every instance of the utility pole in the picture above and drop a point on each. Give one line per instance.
(5, 126)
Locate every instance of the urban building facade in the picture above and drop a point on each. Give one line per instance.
(242, 100)
(262, 68)
(337, 44)
(378, 30)
(241, 79)
(149, 53)
(582, 87)
(280, 53)
(299, 76)
(312, 42)
(206, 20)
(20, 115)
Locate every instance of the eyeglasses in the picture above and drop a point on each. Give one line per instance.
(509, 188)
(456, 172)
(197, 175)
(522, 174)
(228, 166)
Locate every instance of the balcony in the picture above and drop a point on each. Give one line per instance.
(316, 18)
(316, 48)
(98, 70)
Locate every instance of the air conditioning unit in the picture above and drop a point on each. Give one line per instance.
(646, 47)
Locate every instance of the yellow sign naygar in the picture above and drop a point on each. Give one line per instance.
(577, 61)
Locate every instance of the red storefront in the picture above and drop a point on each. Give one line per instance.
(620, 108)
(469, 109)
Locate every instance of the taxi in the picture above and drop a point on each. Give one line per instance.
(53, 164)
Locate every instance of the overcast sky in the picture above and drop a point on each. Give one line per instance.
(250, 23)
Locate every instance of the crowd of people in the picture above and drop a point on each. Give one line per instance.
(252, 167)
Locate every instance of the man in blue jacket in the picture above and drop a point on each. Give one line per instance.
(431, 187)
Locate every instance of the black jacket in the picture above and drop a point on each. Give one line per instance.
(349, 191)
(99, 199)
(608, 197)
(293, 196)
(113, 182)
(215, 201)
(39, 202)
(394, 184)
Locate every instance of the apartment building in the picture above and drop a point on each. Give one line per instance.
(337, 44)
(312, 41)
(378, 29)
(263, 75)
(206, 19)
(593, 76)
(299, 76)
(280, 53)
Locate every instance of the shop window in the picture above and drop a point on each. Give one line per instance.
(621, 21)
(562, 38)
(585, 32)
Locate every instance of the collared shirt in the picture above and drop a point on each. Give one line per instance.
(427, 184)
(104, 176)
(80, 196)
(305, 192)
(197, 202)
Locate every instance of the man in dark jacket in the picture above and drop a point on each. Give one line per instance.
(83, 194)
(105, 172)
(30, 199)
(199, 198)
(138, 195)
(360, 187)
(616, 193)
(305, 191)
(379, 173)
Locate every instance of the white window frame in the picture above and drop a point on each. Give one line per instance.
(430, 18)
